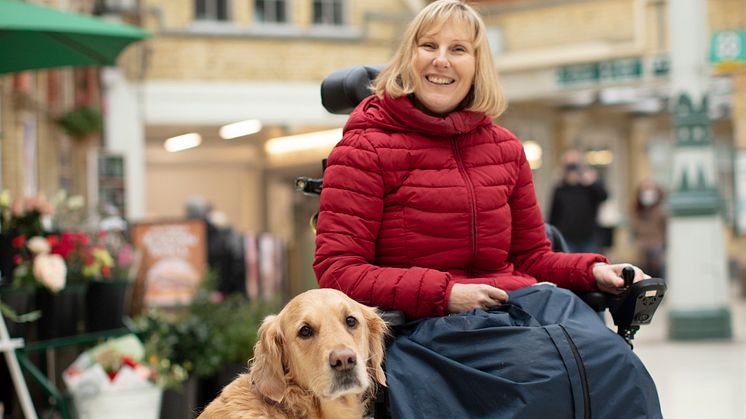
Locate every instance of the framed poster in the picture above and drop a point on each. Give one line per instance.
(174, 262)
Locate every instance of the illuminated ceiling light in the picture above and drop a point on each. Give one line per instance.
(600, 157)
(303, 142)
(533, 154)
(182, 142)
(240, 129)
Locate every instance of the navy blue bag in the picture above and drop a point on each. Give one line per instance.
(545, 354)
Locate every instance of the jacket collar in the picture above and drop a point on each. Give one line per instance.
(400, 114)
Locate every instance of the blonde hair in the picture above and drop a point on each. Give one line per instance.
(398, 78)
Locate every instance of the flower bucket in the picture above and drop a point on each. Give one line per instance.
(61, 313)
(21, 300)
(105, 304)
(141, 403)
(180, 403)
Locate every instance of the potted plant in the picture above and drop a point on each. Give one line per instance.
(177, 344)
(233, 321)
(81, 122)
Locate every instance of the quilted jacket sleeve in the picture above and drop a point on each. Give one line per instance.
(530, 250)
(349, 220)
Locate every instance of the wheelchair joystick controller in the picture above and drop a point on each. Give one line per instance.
(628, 273)
(636, 304)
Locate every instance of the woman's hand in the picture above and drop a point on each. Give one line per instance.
(465, 297)
(609, 277)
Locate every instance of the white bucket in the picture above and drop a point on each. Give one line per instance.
(142, 403)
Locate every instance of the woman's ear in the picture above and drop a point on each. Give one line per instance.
(267, 369)
(376, 340)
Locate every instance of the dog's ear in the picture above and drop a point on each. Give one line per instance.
(376, 340)
(267, 369)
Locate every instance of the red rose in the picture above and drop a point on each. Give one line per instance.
(19, 241)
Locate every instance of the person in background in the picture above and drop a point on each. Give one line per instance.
(575, 203)
(649, 228)
(225, 255)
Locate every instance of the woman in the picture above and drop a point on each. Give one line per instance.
(428, 206)
(649, 228)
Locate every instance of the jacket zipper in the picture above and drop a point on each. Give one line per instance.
(583, 375)
(472, 201)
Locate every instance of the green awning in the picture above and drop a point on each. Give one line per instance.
(34, 37)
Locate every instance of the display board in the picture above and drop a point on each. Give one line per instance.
(174, 262)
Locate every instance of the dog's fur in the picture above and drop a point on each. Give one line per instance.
(292, 376)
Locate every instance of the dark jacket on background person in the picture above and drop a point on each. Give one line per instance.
(575, 208)
(413, 204)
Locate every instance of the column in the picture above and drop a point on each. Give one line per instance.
(696, 260)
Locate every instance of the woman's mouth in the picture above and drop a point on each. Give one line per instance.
(440, 80)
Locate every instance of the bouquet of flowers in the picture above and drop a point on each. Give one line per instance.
(85, 258)
(114, 380)
(35, 264)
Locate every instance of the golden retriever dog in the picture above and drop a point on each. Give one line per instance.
(317, 358)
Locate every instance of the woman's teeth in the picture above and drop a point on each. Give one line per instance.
(439, 80)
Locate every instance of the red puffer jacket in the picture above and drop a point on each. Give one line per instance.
(413, 204)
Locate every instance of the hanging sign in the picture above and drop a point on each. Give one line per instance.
(728, 50)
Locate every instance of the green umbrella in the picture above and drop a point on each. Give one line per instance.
(33, 37)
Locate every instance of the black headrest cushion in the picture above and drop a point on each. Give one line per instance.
(344, 89)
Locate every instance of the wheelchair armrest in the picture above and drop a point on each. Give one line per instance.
(599, 301)
(343, 90)
(393, 317)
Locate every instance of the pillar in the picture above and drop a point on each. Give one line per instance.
(696, 259)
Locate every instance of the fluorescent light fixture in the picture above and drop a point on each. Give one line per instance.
(240, 129)
(182, 142)
(533, 154)
(303, 142)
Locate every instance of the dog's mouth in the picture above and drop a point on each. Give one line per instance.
(346, 382)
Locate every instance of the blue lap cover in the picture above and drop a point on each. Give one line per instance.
(545, 354)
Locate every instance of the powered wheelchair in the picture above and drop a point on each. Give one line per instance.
(344, 89)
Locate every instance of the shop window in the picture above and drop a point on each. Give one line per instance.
(215, 10)
(328, 12)
(271, 11)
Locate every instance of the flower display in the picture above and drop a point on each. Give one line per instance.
(85, 258)
(35, 265)
(114, 365)
(25, 217)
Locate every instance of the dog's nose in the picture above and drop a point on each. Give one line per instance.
(342, 359)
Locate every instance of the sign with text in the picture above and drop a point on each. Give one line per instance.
(174, 262)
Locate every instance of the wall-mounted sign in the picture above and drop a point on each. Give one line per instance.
(728, 50)
(612, 71)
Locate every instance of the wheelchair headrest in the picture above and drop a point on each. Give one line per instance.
(344, 89)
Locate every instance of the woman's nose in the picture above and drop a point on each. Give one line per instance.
(441, 60)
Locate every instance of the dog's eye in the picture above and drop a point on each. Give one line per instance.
(351, 321)
(305, 332)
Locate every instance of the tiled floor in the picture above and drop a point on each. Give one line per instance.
(697, 379)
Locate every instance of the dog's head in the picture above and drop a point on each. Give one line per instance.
(322, 341)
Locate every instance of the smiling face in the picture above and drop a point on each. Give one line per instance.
(444, 64)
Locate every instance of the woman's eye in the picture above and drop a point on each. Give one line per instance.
(305, 332)
(428, 45)
(459, 49)
(351, 321)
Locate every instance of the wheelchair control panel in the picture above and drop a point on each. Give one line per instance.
(636, 304)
